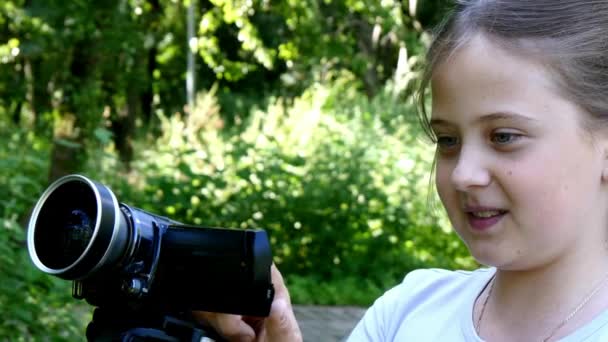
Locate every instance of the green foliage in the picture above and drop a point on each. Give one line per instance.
(308, 133)
(350, 290)
(34, 306)
(70, 69)
(342, 193)
(305, 39)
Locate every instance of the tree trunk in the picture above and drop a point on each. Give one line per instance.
(79, 113)
(123, 125)
(147, 96)
(67, 157)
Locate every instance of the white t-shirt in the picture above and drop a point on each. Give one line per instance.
(437, 305)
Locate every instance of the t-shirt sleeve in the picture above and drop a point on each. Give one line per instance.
(382, 319)
(370, 327)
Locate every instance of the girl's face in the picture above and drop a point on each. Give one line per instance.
(520, 178)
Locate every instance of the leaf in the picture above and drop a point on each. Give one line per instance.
(67, 143)
(103, 135)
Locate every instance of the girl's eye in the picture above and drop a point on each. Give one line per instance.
(503, 138)
(447, 142)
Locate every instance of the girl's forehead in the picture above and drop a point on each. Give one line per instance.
(482, 59)
(482, 68)
(482, 77)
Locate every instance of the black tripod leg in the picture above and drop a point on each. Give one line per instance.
(129, 326)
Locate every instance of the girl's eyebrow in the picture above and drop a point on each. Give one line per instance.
(486, 118)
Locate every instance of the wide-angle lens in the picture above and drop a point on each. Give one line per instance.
(76, 233)
(76, 228)
(54, 219)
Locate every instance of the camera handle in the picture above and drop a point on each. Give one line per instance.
(130, 326)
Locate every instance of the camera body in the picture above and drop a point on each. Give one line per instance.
(124, 258)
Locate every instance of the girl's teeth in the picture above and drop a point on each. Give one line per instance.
(486, 214)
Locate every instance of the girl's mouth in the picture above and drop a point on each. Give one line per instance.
(482, 220)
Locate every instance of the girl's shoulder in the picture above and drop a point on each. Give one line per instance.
(437, 302)
(444, 275)
(439, 285)
(437, 277)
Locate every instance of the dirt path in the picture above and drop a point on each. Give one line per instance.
(327, 323)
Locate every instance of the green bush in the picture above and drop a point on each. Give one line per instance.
(34, 306)
(339, 182)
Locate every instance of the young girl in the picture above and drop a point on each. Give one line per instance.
(520, 120)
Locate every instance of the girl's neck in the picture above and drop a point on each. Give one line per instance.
(562, 278)
(534, 302)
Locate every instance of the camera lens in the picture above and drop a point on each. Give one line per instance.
(76, 228)
(56, 225)
(76, 232)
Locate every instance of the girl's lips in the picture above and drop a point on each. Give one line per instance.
(484, 223)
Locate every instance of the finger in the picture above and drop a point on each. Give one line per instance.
(255, 322)
(230, 327)
(280, 290)
(281, 324)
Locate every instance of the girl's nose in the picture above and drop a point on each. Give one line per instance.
(471, 170)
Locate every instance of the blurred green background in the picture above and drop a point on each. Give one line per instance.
(299, 118)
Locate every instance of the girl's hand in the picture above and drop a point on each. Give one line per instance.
(279, 326)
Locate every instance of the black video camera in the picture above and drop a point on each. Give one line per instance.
(145, 273)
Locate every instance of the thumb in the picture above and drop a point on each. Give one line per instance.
(281, 324)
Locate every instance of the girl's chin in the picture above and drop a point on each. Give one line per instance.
(490, 257)
(501, 262)
(488, 262)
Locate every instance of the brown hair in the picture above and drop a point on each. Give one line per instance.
(569, 37)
